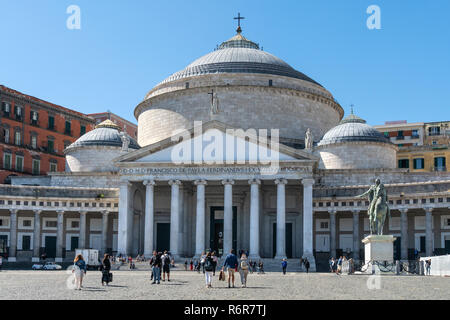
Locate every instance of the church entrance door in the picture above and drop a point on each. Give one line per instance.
(216, 230)
(162, 237)
(288, 242)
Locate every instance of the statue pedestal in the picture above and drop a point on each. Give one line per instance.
(378, 250)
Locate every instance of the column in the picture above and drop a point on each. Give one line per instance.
(125, 226)
(36, 236)
(228, 216)
(13, 236)
(105, 215)
(429, 232)
(82, 236)
(281, 219)
(200, 218)
(333, 233)
(356, 240)
(404, 233)
(254, 218)
(59, 237)
(149, 217)
(174, 216)
(308, 221)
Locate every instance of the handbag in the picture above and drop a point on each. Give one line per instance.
(110, 277)
(221, 276)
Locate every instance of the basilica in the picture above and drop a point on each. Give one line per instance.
(237, 150)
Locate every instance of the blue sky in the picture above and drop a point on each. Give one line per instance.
(124, 48)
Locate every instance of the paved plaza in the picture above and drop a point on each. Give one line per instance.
(136, 284)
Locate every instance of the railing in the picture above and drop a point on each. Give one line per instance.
(440, 169)
(400, 138)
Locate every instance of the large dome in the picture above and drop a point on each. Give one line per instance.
(252, 89)
(239, 55)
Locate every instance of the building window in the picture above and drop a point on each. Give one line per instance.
(439, 164)
(403, 163)
(82, 130)
(51, 123)
(386, 135)
(187, 85)
(434, 131)
(7, 161)
(400, 135)
(51, 224)
(53, 167)
(19, 163)
(270, 83)
(18, 112)
(26, 243)
(17, 138)
(34, 118)
(6, 135)
(419, 163)
(36, 166)
(6, 107)
(68, 129)
(34, 142)
(51, 146)
(415, 134)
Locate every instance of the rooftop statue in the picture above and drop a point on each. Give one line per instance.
(378, 206)
(308, 139)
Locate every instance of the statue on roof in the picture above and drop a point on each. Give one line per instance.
(309, 139)
(214, 109)
(125, 141)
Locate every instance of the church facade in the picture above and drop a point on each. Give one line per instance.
(238, 150)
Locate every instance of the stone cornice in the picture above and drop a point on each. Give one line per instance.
(364, 143)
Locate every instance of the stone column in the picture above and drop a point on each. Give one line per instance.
(404, 233)
(429, 232)
(333, 233)
(281, 219)
(60, 236)
(356, 240)
(82, 236)
(13, 236)
(36, 236)
(200, 218)
(228, 216)
(125, 226)
(105, 215)
(308, 221)
(254, 218)
(174, 216)
(149, 217)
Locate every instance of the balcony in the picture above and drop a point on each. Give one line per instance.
(433, 134)
(68, 132)
(415, 136)
(400, 138)
(440, 169)
(34, 123)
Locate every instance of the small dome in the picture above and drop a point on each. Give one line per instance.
(352, 128)
(106, 133)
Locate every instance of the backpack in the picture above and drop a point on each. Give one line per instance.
(166, 260)
(244, 265)
(208, 265)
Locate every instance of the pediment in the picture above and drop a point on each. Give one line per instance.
(216, 143)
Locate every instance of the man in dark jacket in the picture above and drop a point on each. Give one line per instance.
(231, 263)
(155, 262)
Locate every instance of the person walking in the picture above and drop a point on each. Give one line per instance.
(202, 261)
(79, 269)
(215, 261)
(191, 265)
(185, 265)
(307, 265)
(155, 262)
(339, 265)
(284, 265)
(331, 263)
(243, 270)
(428, 266)
(231, 263)
(165, 259)
(209, 268)
(106, 269)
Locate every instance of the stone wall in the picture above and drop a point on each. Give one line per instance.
(357, 155)
(92, 159)
(86, 180)
(241, 106)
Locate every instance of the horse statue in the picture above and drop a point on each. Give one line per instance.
(378, 207)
